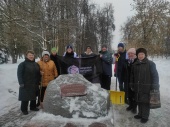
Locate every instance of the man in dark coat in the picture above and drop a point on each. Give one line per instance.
(144, 78)
(129, 94)
(28, 74)
(121, 57)
(54, 58)
(106, 58)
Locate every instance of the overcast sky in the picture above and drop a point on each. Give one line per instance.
(122, 10)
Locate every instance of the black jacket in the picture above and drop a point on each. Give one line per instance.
(144, 78)
(88, 55)
(28, 74)
(56, 61)
(127, 71)
(107, 61)
(121, 62)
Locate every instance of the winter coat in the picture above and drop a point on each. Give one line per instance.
(127, 71)
(28, 74)
(144, 78)
(106, 62)
(50, 71)
(85, 54)
(54, 58)
(72, 54)
(119, 65)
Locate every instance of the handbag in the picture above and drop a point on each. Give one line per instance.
(155, 99)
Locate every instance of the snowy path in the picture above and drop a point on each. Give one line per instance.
(14, 118)
(121, 118)
(158, 117)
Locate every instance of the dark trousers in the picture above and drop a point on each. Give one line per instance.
(42, 92)
(144, 110)
(131, 98)
(105, 81)
(24, 105)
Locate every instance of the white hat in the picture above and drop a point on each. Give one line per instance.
(45, 53)
(132, 50)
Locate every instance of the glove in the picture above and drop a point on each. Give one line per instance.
(21, 85)
(116, 54)
(115, 75)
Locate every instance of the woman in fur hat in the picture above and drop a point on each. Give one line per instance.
(144, 78)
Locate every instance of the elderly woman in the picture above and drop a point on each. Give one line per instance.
(29, 78)
(129, 94)
(144, 78)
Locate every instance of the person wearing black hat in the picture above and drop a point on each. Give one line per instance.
(120, 61)
(69, 52)
(106, 58)
(144, 78)
(88, 52)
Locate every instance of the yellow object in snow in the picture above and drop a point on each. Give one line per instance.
(117, 97)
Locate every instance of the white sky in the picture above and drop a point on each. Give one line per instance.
(122, 10)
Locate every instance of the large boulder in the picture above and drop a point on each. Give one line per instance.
(91, 102)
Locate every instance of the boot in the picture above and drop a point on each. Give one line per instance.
(143, 120)
(34, 109)
(134, 111)
(129, 108)
(25, 112)
(137, 117)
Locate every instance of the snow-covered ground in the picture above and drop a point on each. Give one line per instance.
(158, 117)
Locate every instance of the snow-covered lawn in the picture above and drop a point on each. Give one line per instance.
(9, 98)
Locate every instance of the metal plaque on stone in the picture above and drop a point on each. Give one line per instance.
(72, 90)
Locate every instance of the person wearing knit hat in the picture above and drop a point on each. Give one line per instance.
(106, 59)
(104, 46)
(54, 58)
(45, 53)
(69, 46)
(54, 50)
(129, 94)
(120, 45)
(120, 57)
(48, 72)
(132, 50)
(69, 52)
(144, 78)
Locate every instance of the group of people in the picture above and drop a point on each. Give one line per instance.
(33, 77)
(136, 75)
